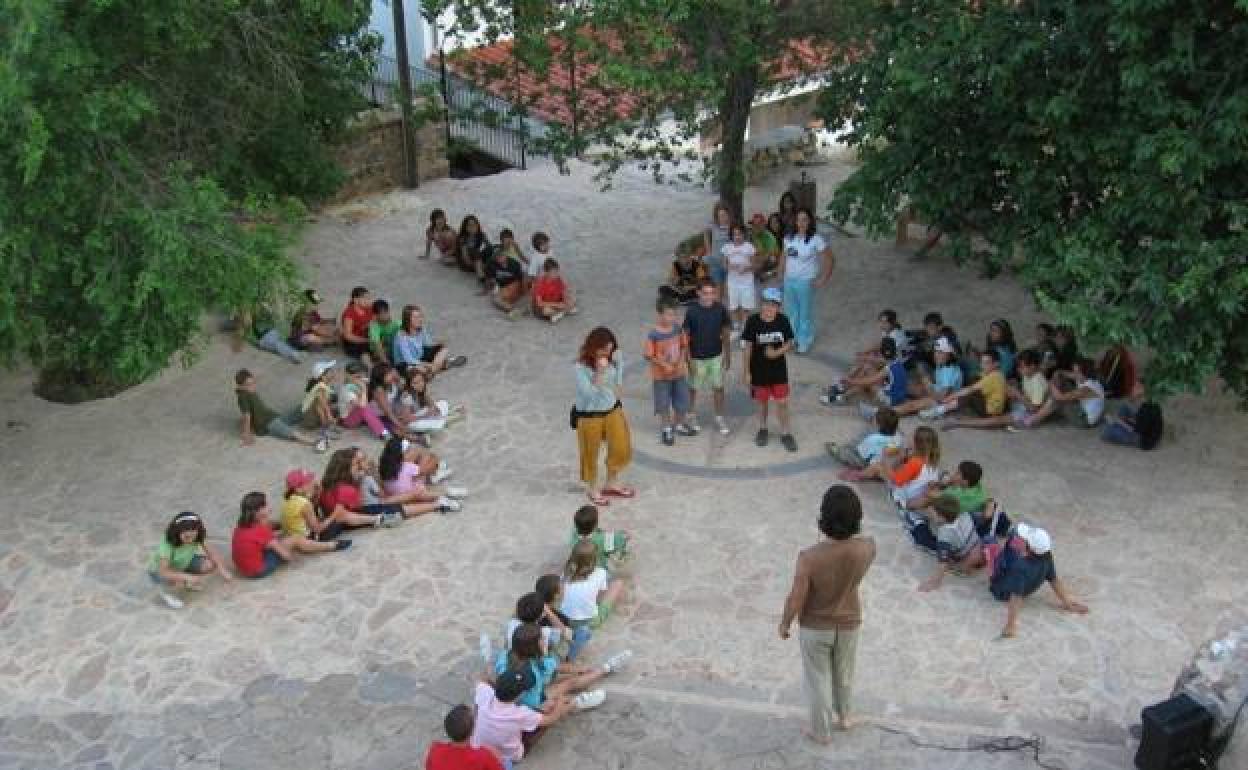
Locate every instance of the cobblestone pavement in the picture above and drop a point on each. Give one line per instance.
(350, 660)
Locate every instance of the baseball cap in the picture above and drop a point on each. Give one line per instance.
(320, 367)
(513, 682)
(758, 218)
(772, 294)
(299, 477)
(943, 345)
(1036, 539)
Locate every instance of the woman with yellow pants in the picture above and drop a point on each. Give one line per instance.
(600, 417)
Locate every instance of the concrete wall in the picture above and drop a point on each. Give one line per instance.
(372, 157)
(796, 110)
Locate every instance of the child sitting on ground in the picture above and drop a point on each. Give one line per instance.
(536, 265)
(1138, 423)
(589, 594)
(505, 726)
(949, 533)
(1046, 346)
(1030, 402)
(929, 390)
(303, 529)
(610, 544)
(1084, 403)
(687, 273)
(316, 410)
(554, 680)
(459, 753)
(550, 588)
(356, 317)
(506, 273)
(1018, 567)
(869, 448)
(353, 409)
(183, 559)
(531, 609)
(868, 360)
(1000, 339)
(256, 550)
(882, 380)
(308, 329)
(909, 476)
(440, 235)
(986, 397)
(259, 420)
(552, 297)
(419, 409)
(403, 479)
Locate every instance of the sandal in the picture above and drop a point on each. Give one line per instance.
(598, 500)
(625, 492)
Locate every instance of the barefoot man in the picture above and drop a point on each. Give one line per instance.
(824, 600)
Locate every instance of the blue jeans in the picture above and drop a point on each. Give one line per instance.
(799, 306)
(1117, 433)
(580, 637)
(272, 342)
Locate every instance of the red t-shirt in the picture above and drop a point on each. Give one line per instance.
(548, 289)
(355, 319)
(344, 494)
(247, 548)
(458, 756)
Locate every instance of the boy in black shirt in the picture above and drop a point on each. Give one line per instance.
(507, 275)
(768, 336)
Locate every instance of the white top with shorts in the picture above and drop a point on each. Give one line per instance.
(740, 285)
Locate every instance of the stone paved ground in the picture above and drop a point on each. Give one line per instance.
(350, 660)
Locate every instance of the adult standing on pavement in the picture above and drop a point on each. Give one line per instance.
(806, 263)
(824, 600)
(599, 416)
(709, 328)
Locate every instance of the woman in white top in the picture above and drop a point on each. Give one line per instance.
(806, 262)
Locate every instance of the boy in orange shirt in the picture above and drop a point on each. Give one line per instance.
(666, 348)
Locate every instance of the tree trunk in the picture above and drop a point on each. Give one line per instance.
(734, 117)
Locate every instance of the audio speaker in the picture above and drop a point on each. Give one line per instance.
(1175, 735)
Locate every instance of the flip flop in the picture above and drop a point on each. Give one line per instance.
(625, 492)
(456, 361)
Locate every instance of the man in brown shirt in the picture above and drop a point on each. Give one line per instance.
(824, 600)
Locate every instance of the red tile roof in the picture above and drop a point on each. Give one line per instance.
(491, 66)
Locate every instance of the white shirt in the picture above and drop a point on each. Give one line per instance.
(580, 597)
(801, 256)
(550, 635)
(737, 257)
(536, 260)
(1094, 406)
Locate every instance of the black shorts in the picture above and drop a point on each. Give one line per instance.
(354, 349)
(382, 509)
(428, 354)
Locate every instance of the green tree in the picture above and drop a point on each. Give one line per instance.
(640, 80)
(1100, 149)
(154, 153)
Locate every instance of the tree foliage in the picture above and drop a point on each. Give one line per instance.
(639, 80)
(153, 155)
(1099, 148)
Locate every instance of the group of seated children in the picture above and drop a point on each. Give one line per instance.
(504, 271)
(538, 678)
(951, 516)
(408, 481)
(929, 374)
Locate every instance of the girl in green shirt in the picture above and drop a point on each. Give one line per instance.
(183, 559)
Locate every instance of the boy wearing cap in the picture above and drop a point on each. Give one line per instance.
(505, 726)
(308, 329)
(768, 336)
(1019, 567)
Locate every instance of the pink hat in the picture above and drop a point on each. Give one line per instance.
(298, 478)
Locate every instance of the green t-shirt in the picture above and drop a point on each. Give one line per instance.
(765, 243)
(179, 558)
(383, 334)
(607, 544)
(261, 415)
(970, 499)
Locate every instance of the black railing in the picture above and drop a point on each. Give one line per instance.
(473, 115)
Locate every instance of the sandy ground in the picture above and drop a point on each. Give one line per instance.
(96, 674)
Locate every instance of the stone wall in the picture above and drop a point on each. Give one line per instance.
(372, 156)
(1217, 678)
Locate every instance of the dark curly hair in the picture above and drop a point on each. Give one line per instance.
(840, 514)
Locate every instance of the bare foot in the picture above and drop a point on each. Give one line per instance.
(822, 740)
(848, 723)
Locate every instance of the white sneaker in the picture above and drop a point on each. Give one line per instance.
(447, 505)
(617, 661)
(171, 601)
(487, 649)
(322, 444)
(457, 492)
(390, 519)
(932, 413)
(590, 699)
(441, 474)
(721, 424)
(556, 318)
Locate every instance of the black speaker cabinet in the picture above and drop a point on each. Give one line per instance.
(1175, 735)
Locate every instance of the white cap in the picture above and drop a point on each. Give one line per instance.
(943, 345)
(320, 367)
(1036, 539)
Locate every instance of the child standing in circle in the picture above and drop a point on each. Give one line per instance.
(768, 336)
(183, 559)
(739, 263)
(666, 348)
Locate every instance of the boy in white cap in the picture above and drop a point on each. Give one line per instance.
(1017, 572)
(768, 336)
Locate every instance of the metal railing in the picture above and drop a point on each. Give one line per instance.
(473, 115)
